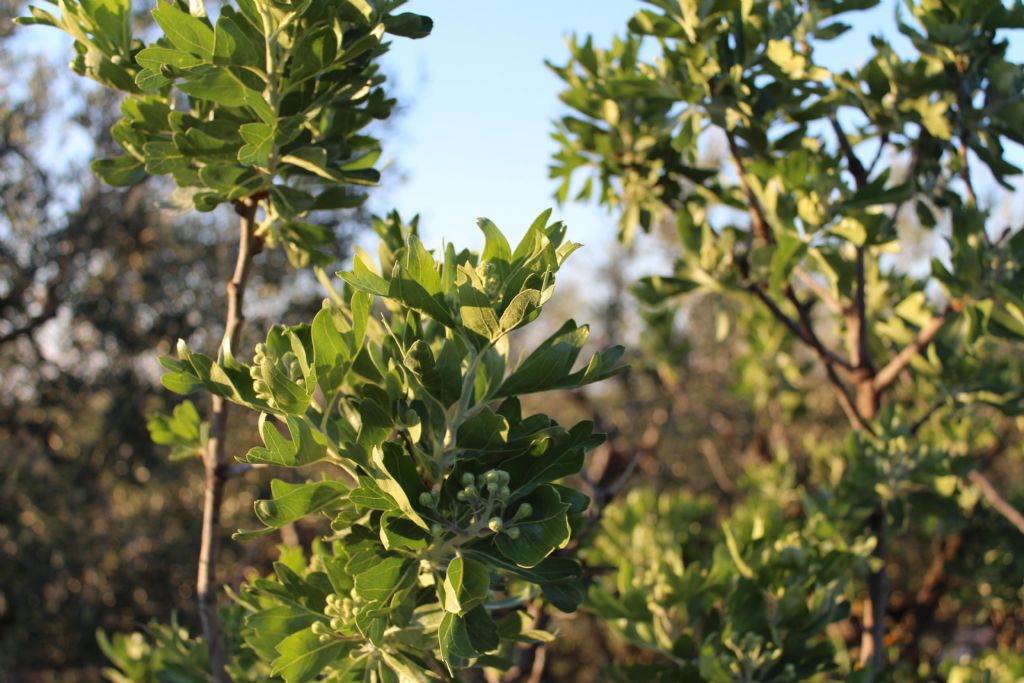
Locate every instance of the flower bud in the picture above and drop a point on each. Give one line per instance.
(426, 500)
(513, 532)
(436, 529)
(492, 477)
(524, 511)
(495, 524)
(468, 479)
(318, 627)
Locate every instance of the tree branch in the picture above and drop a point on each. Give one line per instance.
(214, 458)
(760, 222)
(803, 331)
(860, 175)
(830, 360)
(818, 288)
(998, 503)
(901, 360)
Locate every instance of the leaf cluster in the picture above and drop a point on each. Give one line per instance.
(446, 514)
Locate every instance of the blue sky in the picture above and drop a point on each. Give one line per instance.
(479, 105)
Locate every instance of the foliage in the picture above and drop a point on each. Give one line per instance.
(796, 192)
(748, 601)
(278, 94)
(447, 514)
(167, 653)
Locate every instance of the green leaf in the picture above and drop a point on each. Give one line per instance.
(290, 502)
(185, 32)
(384, 577)
(549, 366)
(314, 160)
(408, 25)
(331, 353)
(154, 57)
(302, 656)
(655, 289)
(259, 142)
(119, 171)
(466, 585)
(477, 312)
(463, 638)
(183, 429)
(546, 529)
(228, 86)
(162, 157)
(521, 310)
(363, 276)
(306, 445)
(399, 479)
(397, 531)
(236, 42)
(496, 247)
(266, 628)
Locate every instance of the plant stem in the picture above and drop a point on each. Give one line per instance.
(214, 457)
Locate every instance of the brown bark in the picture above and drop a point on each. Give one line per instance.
(215, 454)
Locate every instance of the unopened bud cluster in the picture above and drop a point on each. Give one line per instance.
(341, 611)
(491, 485)
(288, 364)
(487, 494)
(490, 276)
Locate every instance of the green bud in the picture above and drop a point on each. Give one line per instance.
(318, 627)
(461, 496)
(492, 477)
(503, 478)
(337, 624)
(513, 532)
(471, 491)
(524, 511)
(426, 500)
(495, 524)
(436, 529)
(504, 492)
(468, 479)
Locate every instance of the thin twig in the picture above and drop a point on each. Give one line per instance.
(888, 374)
(998, 503)
(860, 175)
(965, 175)
(214, 458)
(823, 293)
(804, 333)
(761, 226)
(916, 425)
